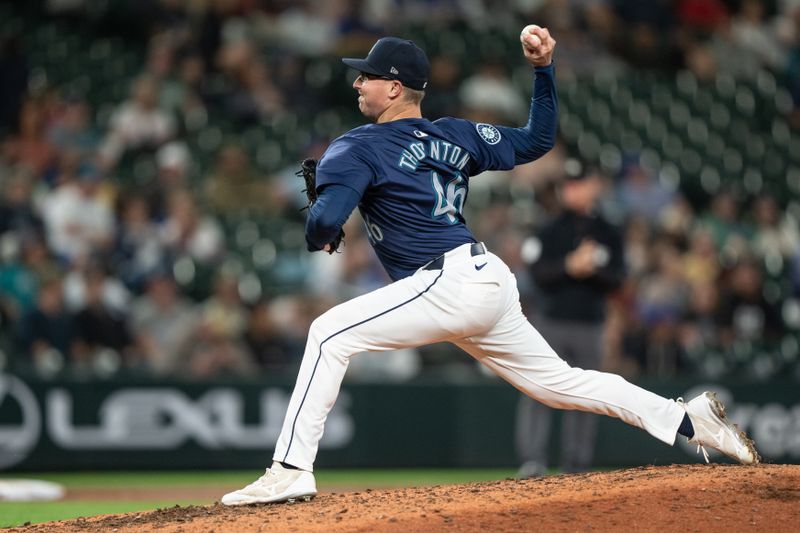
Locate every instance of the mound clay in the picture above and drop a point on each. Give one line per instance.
(681, 498)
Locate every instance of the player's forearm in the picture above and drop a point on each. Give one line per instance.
(328, 214)
(538, 136)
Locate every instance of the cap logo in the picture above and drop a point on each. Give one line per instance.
(488, 133)
(394, 71)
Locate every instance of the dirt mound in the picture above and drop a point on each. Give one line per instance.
(681, 498)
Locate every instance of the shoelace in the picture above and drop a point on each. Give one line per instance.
(700, 447)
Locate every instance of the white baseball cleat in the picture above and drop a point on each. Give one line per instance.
(713, 429)
(278, 484)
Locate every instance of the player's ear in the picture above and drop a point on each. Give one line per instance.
(396, 89)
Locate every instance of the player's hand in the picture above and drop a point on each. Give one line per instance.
(537, 45)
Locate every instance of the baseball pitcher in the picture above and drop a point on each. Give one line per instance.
(410, 179)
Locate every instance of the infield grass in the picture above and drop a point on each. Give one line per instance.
(18, 513)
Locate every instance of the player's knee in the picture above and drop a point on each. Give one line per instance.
(319, 330)
(324, 331)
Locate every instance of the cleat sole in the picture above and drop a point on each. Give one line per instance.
(717, 406)
(263, 501)
(300, 499)
(719, 409)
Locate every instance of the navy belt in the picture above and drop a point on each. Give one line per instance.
(477, 248)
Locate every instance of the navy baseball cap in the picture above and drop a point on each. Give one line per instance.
(397, 59)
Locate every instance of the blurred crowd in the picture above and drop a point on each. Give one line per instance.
(91, 261)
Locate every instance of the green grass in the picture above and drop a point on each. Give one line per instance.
(17, 513)
(329, 478)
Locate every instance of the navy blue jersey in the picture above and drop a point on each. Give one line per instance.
(410, 178)
(413, 179)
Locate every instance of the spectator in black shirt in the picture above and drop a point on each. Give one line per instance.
(16, 207)
(580, 263)
(745, 314)
(47, 331)
(101, 330)
(272, 350)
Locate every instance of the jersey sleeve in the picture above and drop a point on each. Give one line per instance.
(489, 148)
(538, 136)
(501, 147)
(346, 162)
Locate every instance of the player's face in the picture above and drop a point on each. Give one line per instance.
(373, 94)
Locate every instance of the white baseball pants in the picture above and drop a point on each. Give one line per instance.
(477, 308)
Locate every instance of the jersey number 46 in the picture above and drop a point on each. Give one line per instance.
(449, 198)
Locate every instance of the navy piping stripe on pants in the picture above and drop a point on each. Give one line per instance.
(319, 357)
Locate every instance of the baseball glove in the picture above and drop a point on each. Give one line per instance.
(308, 171)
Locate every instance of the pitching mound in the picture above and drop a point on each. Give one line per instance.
(673, 498)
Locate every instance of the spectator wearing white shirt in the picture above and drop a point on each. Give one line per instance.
(78, 222)
(186, 231)
(757, 36)
(490, 96)
(138, 124)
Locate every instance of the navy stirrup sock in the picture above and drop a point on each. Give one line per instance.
(686, 428)
(287, 466)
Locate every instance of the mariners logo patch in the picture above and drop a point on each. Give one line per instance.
(488, 133)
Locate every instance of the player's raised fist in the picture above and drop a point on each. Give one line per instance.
(537, 45)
